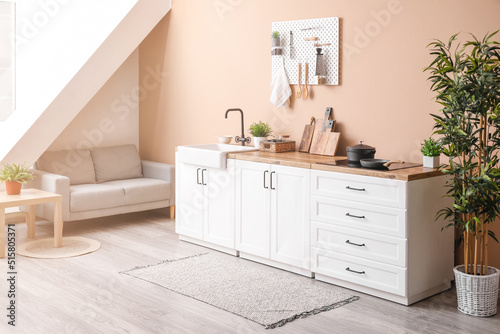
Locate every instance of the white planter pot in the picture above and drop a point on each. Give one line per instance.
(431, 162)
(257, 140)
(477, 295)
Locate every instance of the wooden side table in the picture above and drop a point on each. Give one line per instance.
(31, 197)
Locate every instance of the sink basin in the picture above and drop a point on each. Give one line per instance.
(209, 155)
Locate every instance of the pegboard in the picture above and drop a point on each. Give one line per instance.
(327, 31)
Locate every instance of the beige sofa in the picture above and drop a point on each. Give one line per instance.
(103, 181)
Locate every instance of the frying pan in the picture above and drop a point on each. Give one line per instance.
(378, 163)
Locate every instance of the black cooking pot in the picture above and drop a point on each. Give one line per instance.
(360, 151)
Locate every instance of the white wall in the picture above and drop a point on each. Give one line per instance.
(112, 115)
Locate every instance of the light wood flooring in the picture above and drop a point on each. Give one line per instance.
(87, 294)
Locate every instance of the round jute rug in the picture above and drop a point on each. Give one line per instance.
(44, 248)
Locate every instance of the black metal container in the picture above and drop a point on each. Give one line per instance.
(360, 151)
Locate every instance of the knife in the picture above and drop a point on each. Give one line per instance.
(291, 45)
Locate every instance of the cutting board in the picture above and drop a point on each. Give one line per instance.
(324, 142)
(307, 136)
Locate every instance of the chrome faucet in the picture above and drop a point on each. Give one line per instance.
(241, 139)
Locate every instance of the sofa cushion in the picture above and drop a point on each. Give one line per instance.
(85, 197)
(143, 190)
(75, 164)
(116, 163)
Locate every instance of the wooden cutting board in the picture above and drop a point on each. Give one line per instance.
(307, 136)
(320, 138)
(332, 143)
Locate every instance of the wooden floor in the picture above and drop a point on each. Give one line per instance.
(87, 294)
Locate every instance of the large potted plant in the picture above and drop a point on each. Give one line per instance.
(260, 131)
(14, 176)
(467, 82)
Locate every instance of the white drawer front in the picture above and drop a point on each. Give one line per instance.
(366, 245)
(372, 274)
(366, 217)
(366, 189)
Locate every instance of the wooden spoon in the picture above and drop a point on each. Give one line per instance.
(306, 92)
(298, 94)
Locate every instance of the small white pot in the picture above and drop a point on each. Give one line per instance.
(431, 162)
(257, 140)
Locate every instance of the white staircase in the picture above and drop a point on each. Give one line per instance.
(66, 51)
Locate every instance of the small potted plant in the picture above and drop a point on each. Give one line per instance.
(14, 176)
(275, 39)
(259, 131)
(431, 149)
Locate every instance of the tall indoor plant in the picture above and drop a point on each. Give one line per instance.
(467, 82)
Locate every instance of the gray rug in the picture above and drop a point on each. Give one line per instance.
(264, 295)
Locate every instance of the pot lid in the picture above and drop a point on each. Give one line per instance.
(359, 147)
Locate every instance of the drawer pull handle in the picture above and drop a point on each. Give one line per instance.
(357, 189)
(354, 216)
(354, 244)
(354, 271)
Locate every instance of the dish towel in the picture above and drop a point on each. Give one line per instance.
(281, 90)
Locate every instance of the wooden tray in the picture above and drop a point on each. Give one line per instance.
(277, 147)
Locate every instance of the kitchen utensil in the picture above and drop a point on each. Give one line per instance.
(292, 48)
(225, 139)
(320, 63)
(378, 163)
(298, 94)
(360, 151)
(305, 94)
(307, 136)
(324, 140)
(328, 114)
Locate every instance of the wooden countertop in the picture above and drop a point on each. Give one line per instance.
(312, 161)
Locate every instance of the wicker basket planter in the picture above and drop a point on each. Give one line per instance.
(477, 295)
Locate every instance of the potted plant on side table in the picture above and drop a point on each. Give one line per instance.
(467, 82)
(431, 149)
(14, 176)
(260, 131)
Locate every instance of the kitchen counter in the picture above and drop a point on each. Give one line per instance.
(312, 161)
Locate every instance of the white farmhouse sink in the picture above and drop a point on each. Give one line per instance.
(209, 155)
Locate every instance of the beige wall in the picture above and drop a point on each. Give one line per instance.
(214, 55)
(111, 117)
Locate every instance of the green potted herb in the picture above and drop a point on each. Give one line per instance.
(467, 81)
(431, 149)
(259, 131)
(275, 39)
(14, 176)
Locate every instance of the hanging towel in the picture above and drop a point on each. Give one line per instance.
(281, 90)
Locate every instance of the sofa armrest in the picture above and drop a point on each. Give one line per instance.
(161, 171)
(53, 183)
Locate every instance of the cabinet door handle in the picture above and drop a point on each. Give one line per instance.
(198, 176)
(356, 272)
(356, 189)
(354, 244)
(354, 216)
(272, 181)
(266, 187)
(203, 177)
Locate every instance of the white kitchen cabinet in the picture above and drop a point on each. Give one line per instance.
(272, 214)
(379, 236)
(205, 205)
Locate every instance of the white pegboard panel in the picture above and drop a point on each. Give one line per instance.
(327, 31)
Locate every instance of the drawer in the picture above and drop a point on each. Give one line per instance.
(366, 217)
(359, 188)
(362, 244)
(368, 273)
